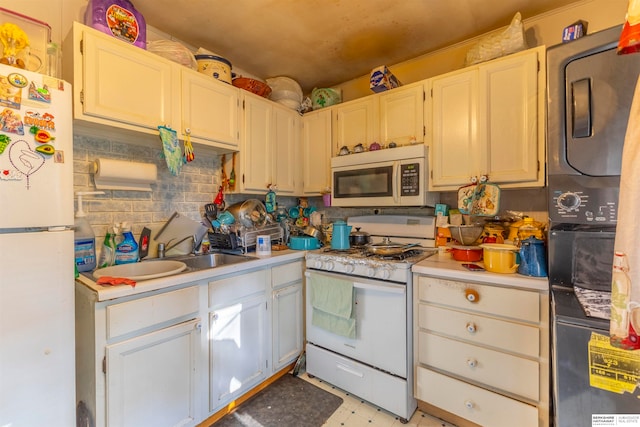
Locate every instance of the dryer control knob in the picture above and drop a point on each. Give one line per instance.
(569, 201)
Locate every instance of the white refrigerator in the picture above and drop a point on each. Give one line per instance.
(37, 338)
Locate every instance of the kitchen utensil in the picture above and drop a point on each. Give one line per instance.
(340, 235)
(232, 176)
(533, 260)
(252, 85)
(500, 257)
(250, 213)
(166, 224)
(215, 66)
(143, 243)
(211, 211)
(312, 231)
(223, 173)
(466, 234)
(389, 248)
(359, 238)
(303, 243)
(466, 253)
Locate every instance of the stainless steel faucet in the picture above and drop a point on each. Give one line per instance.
(169, 245)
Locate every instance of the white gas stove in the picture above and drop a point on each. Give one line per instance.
(357, 261)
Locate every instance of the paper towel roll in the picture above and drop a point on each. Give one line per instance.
(124, 175)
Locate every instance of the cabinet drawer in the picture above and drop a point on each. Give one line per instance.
(493, 368)
(285, 274)
(506, 302)
(145, 312)
(473, 403)
(509, 336)
(227, 290)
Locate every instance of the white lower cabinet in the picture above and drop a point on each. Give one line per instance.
(157, 367)
(176, 356)
(482, 352)
(238, 331)
(287, 312)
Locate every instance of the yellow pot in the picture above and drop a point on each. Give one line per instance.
(500, 257)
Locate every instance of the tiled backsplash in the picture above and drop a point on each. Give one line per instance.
(197, 184)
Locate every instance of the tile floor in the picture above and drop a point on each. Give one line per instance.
(355, 412)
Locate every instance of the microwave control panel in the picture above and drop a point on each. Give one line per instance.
(410, 179)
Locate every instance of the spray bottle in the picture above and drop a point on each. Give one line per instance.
(127, 250)
(84, 245)
(108, 252)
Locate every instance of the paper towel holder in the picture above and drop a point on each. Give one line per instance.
(111, 174)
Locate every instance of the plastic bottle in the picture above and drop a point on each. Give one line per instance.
(127, 249)
(108, 252)
(84, 245)
(620, 292)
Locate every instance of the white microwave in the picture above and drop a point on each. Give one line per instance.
(389, 177)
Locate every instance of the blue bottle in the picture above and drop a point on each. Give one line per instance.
(127, 250)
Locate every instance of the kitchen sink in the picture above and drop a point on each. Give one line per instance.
(201, 262)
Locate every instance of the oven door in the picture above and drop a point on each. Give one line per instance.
(381, 324)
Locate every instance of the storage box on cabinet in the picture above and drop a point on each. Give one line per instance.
(473, 403)
(158, 310)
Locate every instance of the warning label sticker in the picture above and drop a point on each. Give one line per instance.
(612, 369)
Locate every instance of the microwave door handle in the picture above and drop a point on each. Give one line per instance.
(396, 182)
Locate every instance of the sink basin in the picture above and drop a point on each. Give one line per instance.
(142, 270)
(200, 262)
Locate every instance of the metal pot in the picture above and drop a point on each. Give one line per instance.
(359, 238)
(389, 248)
(250, 213)
(312, 231)
(466, 253)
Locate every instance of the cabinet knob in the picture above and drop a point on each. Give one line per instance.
(471, 328)
(471, 295)
(472, 363)
(214, 316)
(469, 404)
(198, 326)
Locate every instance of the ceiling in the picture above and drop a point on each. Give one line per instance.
(321, 43)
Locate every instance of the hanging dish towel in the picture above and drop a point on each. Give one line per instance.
(625, 288)
(171, 149)
(332, 303)
(479, 199)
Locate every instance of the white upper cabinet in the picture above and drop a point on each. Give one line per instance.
(118, 84)
(356, 122)
(489, 120)
(210, 110)
(125, 88)
(402, 114)
(316, 152)
(270, 147)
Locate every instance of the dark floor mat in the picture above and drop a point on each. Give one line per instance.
(288, 402)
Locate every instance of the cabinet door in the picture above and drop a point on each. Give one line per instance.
(316, 155)
(152, 379)
(287, 325)
(507, 119)
(356, 123)
(125, 84)
(237, 349)
(209, 110)
(455, 153)
(286, 150)
(257, 148)
(402, 115)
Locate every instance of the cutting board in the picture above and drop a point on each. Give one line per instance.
(176, 228)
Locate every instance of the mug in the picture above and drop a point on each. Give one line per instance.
(263, 245)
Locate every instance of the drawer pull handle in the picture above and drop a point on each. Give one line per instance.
(471, 328)
(469, 404)
(349, 370)
(472, 363)
(472, 295)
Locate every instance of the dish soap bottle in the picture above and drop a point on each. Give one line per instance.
(108, 253)
(84, 239)
(127, 249)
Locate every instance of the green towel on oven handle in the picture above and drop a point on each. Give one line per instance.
(332, 302)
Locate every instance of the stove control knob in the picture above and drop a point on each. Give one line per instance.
(318, 264)
(329, 265)
(569, 201)
(385, 273)
(348, 268)
(371, 271)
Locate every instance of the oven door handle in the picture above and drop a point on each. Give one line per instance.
(390, 289)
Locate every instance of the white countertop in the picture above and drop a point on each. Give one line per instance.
(106, 292)
(444, 266)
